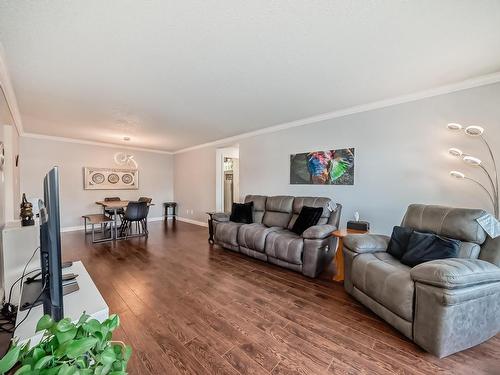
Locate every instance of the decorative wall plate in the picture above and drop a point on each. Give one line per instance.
(110, 179)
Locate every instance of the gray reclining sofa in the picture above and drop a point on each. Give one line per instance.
(270, 239)
(444, 306)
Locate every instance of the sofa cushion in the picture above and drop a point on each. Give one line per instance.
(424, 247)
(322, 202)
(253, 236)
(242, 213)
(259, 206)
(278, 211)
(399, 241)
(227, 232)
(285, 245)
(308, 217)
(469, 250)
(383, 278)
(457, 223)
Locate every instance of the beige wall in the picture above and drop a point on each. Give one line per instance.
(194, 183)
(401, 158)
(39, 155)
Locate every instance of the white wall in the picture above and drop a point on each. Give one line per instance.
(39, 155)
(401, 158)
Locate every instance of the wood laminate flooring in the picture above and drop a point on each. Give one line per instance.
(190, 308)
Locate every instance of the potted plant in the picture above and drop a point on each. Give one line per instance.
(68, 348)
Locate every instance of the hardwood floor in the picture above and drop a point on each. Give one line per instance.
(189, 308)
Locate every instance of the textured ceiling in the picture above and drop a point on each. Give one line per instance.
(172, 74)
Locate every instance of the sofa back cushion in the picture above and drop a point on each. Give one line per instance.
(468, 250)
(300, 202)
(456, 223)
(278, 211)
(259, 206)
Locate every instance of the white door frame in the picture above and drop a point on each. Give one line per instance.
(220, 154)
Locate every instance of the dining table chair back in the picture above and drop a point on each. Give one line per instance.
(112, 199)
(145, 199)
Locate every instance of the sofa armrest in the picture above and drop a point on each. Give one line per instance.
(366, 243)
(455, 273)
(318, 232)
(220, 216)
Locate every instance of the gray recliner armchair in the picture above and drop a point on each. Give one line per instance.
(444, 306)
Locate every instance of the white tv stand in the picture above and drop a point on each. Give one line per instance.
(86, 299)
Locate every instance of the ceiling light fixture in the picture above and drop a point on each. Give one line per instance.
(471, 160)
(455, 152)
(454, 126)
(474, 130)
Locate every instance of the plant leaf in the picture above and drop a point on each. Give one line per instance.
(83, 318)
(50, 371)
(108, 356)
(42, 362)
(63, 337)
(64, 325)
(92, 326)
(113, 322)
(26, 369)
(10, 359)
(128, 353)
(67, 370)
(38, 353)
(45, 322)
(79, 347)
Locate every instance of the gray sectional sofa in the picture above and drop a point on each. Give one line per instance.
(445, 306)
(270, 239)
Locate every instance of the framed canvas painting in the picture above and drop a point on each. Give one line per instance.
(110, 179)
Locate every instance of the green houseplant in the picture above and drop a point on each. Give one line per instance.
(68, 348)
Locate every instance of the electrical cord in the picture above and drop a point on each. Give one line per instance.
(24, 270)
(19, 279)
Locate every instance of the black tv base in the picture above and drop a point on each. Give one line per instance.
(32, 293)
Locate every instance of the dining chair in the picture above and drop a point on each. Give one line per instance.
(112, 212)
(145, 199)
(136, 212)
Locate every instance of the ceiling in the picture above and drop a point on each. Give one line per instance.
(173, 74)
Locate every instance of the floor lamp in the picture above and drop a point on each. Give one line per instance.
(492, 175)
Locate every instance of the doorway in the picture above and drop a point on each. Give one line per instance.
(227, 178)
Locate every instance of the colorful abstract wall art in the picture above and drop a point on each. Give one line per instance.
(330, 167)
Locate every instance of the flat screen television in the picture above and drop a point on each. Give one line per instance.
(49, 289)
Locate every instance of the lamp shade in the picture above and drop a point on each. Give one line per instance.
(455, 152)
(471, 160)
(457, 174)
(474, 130)
(454, 126)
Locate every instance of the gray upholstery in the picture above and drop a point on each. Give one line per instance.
(278, 211)
(253, 236)
(444, 305)
(366, 243)
(318, 232)
(268, 238)
(259, 206)
(285, 245)
(300, 202)
(386, 280)
(455, 273)
(457, 223)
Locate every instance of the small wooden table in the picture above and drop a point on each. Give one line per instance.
(339, 256)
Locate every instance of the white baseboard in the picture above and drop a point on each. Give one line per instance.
(190, 221)
(80, 227)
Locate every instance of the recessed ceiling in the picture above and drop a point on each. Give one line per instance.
(173, 74)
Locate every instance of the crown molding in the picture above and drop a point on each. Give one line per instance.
(92, 143)
(442, 90)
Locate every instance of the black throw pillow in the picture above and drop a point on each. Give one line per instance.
(242, 213)
(399, 241)
(308, 217)
(424, 247)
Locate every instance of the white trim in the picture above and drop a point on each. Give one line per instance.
(190, 221)
(442, 90)
(93, 143)
(8, 92)
(81, 227)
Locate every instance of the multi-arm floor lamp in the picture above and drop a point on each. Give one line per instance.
(493, 192)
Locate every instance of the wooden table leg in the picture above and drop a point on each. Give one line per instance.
(339, 262)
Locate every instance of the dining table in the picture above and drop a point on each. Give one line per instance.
(115, 206)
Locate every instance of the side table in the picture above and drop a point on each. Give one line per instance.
(210, 227)
(173, 206)
(339, 256)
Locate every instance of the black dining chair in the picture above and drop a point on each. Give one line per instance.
(136, 212)
(145, 199)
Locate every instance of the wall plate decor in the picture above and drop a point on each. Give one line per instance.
(329, 167)
(110, 179)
